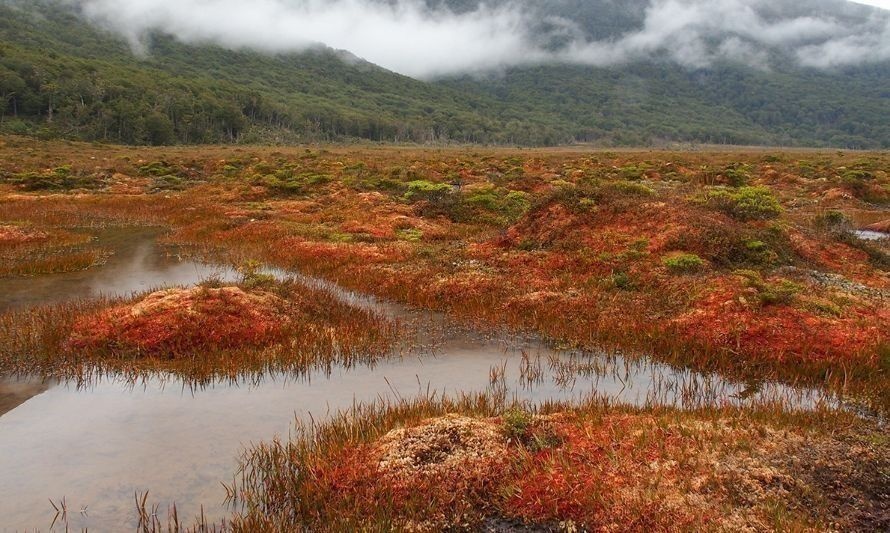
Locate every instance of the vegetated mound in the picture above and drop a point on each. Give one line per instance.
(175, 322)
(607, 472)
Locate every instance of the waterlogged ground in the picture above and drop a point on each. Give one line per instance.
(760, 265)
(97, 443)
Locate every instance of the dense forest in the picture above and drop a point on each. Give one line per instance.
(63, 77)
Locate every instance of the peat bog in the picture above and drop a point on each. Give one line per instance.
(565, 339)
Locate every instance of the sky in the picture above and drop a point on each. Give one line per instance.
(407, 37)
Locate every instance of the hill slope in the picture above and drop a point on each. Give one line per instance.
(62, 77)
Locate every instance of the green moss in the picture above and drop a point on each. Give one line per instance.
(409, 234)
(683, 263)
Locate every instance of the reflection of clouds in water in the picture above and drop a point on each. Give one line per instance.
(147, 265)
(98, 442)
(137, 263)
(101, 442)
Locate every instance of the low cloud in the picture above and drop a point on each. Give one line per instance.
(409, 37)
(698, 33)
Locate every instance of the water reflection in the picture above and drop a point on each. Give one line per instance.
(137, 263)
(99, 440)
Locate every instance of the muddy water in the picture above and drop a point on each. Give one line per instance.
(97, 444)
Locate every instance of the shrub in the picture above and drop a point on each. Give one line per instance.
(737, 174)
(833, 222)
(884, 356)
(516, 424)
(745, 203)
(61, 178)
(627, 188)
(632, 172)
(435, 199)
(759, 253)
(622, 281)
(782, 292)
(285, 180)
(517, 203)
(157, 168)
(510, 205)
(487, 198)
(427, 190)
(167, 183)
(683, 263)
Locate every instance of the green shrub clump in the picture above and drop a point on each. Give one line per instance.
(745, 203)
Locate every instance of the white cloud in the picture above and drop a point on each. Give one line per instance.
(408, 37)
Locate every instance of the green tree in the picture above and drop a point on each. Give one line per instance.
(159, 129)
(11, 86)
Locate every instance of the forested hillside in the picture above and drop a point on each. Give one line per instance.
(63, 77)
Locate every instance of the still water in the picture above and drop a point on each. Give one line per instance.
(98, 443)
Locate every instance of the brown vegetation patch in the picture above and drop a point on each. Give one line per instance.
(583, 469)
(14, 235)
(442, 448)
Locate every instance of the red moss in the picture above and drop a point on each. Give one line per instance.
(603, 476)
(728, 317)
(175, 322)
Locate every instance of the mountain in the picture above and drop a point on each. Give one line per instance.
(62, 76)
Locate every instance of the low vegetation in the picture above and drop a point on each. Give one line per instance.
(435, 465)
(211, 330)
(742, 262)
